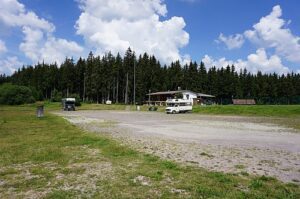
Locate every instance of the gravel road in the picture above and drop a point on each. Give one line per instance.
(219, 143)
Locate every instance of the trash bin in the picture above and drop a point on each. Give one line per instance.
(138, 108)
(40, 111)
(152, 108)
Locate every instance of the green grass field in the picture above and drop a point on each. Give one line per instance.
(87, 106)
(285, 115)
(247, 110)
(50, 158)
(255, 110)
(282, 111)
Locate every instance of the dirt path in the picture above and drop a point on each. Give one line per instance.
(220, 143)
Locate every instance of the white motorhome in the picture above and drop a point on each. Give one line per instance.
(178, 106)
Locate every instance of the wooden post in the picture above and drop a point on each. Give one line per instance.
(126, 91)
(149, 98)
(40, 111)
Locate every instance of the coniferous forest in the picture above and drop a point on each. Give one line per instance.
(99, 78)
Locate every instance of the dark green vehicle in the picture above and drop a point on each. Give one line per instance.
(68, 104)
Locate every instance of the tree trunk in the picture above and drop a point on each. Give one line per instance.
(117, 92)
(126, 92)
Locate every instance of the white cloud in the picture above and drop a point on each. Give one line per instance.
(232, 41)
(120, 9)
(258, 61)
(272, 32)
(9, 65)
(3, 48)
(186, 59)
(222, 62)
(39, 43)
(116, 25)
(39, 47)
(14, 14)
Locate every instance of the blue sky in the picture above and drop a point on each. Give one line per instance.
(218, 32)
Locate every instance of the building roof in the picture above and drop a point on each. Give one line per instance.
(204, 95)
(171, 92)
(180, 91)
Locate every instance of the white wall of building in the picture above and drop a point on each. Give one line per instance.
(189, 96)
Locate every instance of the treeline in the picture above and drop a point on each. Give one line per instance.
(15, 95)
(97, 79)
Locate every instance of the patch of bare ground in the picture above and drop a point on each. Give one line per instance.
(83, 176)
(228, 144)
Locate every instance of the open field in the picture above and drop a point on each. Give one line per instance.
(247, 110)
(50, 158)
(287, 115)
(227, 142)
(251, 110)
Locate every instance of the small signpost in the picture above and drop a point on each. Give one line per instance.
(40, 111)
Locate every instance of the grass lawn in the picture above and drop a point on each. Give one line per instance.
(286, 115)
(50, 158)
(254, 110)
(87, 106)
(282, 111)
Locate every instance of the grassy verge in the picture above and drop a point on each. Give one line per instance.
(255, 110)
(282, 111)
(86, 106)
(50, 158)
(286, 115)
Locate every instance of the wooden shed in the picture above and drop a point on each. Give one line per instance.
(243, 102)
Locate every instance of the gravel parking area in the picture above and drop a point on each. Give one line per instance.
(220, 143)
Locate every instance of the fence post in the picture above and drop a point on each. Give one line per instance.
(40, 111)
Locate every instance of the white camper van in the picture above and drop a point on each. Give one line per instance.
(178, 106)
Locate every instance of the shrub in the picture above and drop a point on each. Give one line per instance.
(78, 99)
(56, 96)
(15, 95)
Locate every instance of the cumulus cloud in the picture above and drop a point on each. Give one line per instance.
(2, 47)
(186, 59)
(39, 43)
(15, 14)
(272, 32)
(9, 65)
(258, 61)
(39, 47)
(232, 41)
(116, 25)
